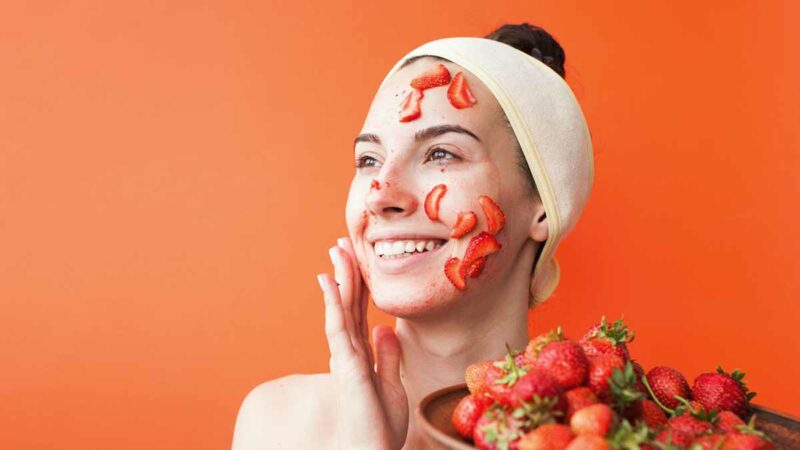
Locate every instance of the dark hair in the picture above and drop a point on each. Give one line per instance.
(529, 39)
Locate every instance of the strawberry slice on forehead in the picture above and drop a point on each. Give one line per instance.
(434, 77)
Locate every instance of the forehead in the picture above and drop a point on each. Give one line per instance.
(383, 117)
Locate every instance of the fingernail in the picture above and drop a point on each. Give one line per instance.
(321, 281)
(341, 242)
(334, 255)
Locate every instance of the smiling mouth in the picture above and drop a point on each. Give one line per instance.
(405, 248)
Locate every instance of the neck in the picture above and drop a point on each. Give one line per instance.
(437, 350)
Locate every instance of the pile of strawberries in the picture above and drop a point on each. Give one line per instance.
(590, 394)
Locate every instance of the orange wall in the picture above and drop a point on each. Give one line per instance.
(172, 176)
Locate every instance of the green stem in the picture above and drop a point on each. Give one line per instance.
(655, 398)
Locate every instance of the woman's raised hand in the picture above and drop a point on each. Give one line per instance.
(372, 408)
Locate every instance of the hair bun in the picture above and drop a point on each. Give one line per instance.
(534, 41)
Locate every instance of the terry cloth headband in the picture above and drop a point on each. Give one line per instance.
(549, 126)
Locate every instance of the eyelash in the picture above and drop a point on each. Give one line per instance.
(361, 160)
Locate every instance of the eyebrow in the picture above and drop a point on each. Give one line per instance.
(421, 135)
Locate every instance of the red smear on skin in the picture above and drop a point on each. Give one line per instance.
(434, 77)
(459, 94)
(465, 222)
(409, 109)
(432, 201)
(375, 185)
(441, 170)
(495, 219)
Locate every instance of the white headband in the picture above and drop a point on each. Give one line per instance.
(549, 125)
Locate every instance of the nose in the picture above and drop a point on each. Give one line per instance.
(391, 197)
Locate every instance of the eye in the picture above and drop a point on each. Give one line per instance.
(366, 161)
(438, 153)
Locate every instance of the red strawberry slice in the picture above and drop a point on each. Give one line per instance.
(434, 77)
(476, 267)
(464, 224)
(495, 218)
(433, 199)
(484, 244)
(409, 109)
(459, 94)
(454, 273)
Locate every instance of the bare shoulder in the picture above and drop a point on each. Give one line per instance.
(288, 412)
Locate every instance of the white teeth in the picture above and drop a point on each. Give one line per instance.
(399, 248)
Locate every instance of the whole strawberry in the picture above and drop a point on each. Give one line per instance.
(565, 361)
(578, 398)
(595, 419)
(475, 376)
(537, 383)
(674, 437)
(728, 422)
(722, 391)
(742, 441)
(653, 415)
(603, 338)
(600, 370)
(689, 424)
(708, 442)
(637, 368)
(497, 429)
(536, 344)
(588, 442)
(665, 383)
(552, 436)
(467, 413)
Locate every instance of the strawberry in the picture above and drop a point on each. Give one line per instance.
(476, 267)
(708, 442)
(552, 436)
(728, 421)
(600, 370)
(502, 375)
(578, 398)
(674, 437)
(536, 344)
(637, 368)
(565, 361)
(483, 244)
(497, 429)
(594, 419)
(630, 437)
(623, 395)
(467, 413)
(432, 201)
(454, 273)
(409, 109)
(459, 94)
(722, 391)
(689, 424)
(737, 441)
(465, 222)
(475, 376)
(588, 442)
(495, 219)
(665, 383)
(602, 338)
(433, 77)
(541, 384)
(652, 414)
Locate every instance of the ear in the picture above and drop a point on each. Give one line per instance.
(538, 229)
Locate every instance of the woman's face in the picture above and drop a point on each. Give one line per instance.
(406, 160)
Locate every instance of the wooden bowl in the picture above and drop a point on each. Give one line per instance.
(435, 412)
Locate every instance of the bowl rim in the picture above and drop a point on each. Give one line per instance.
(431, 430)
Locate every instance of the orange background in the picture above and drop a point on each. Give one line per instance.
(171, 177)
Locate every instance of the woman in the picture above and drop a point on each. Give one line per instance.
(471, 150)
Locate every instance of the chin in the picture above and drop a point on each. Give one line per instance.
(408, 302)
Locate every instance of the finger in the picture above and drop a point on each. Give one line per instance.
(337, 335)
(389, 354)
(349, 251)
(360, 292)
(344, 279)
